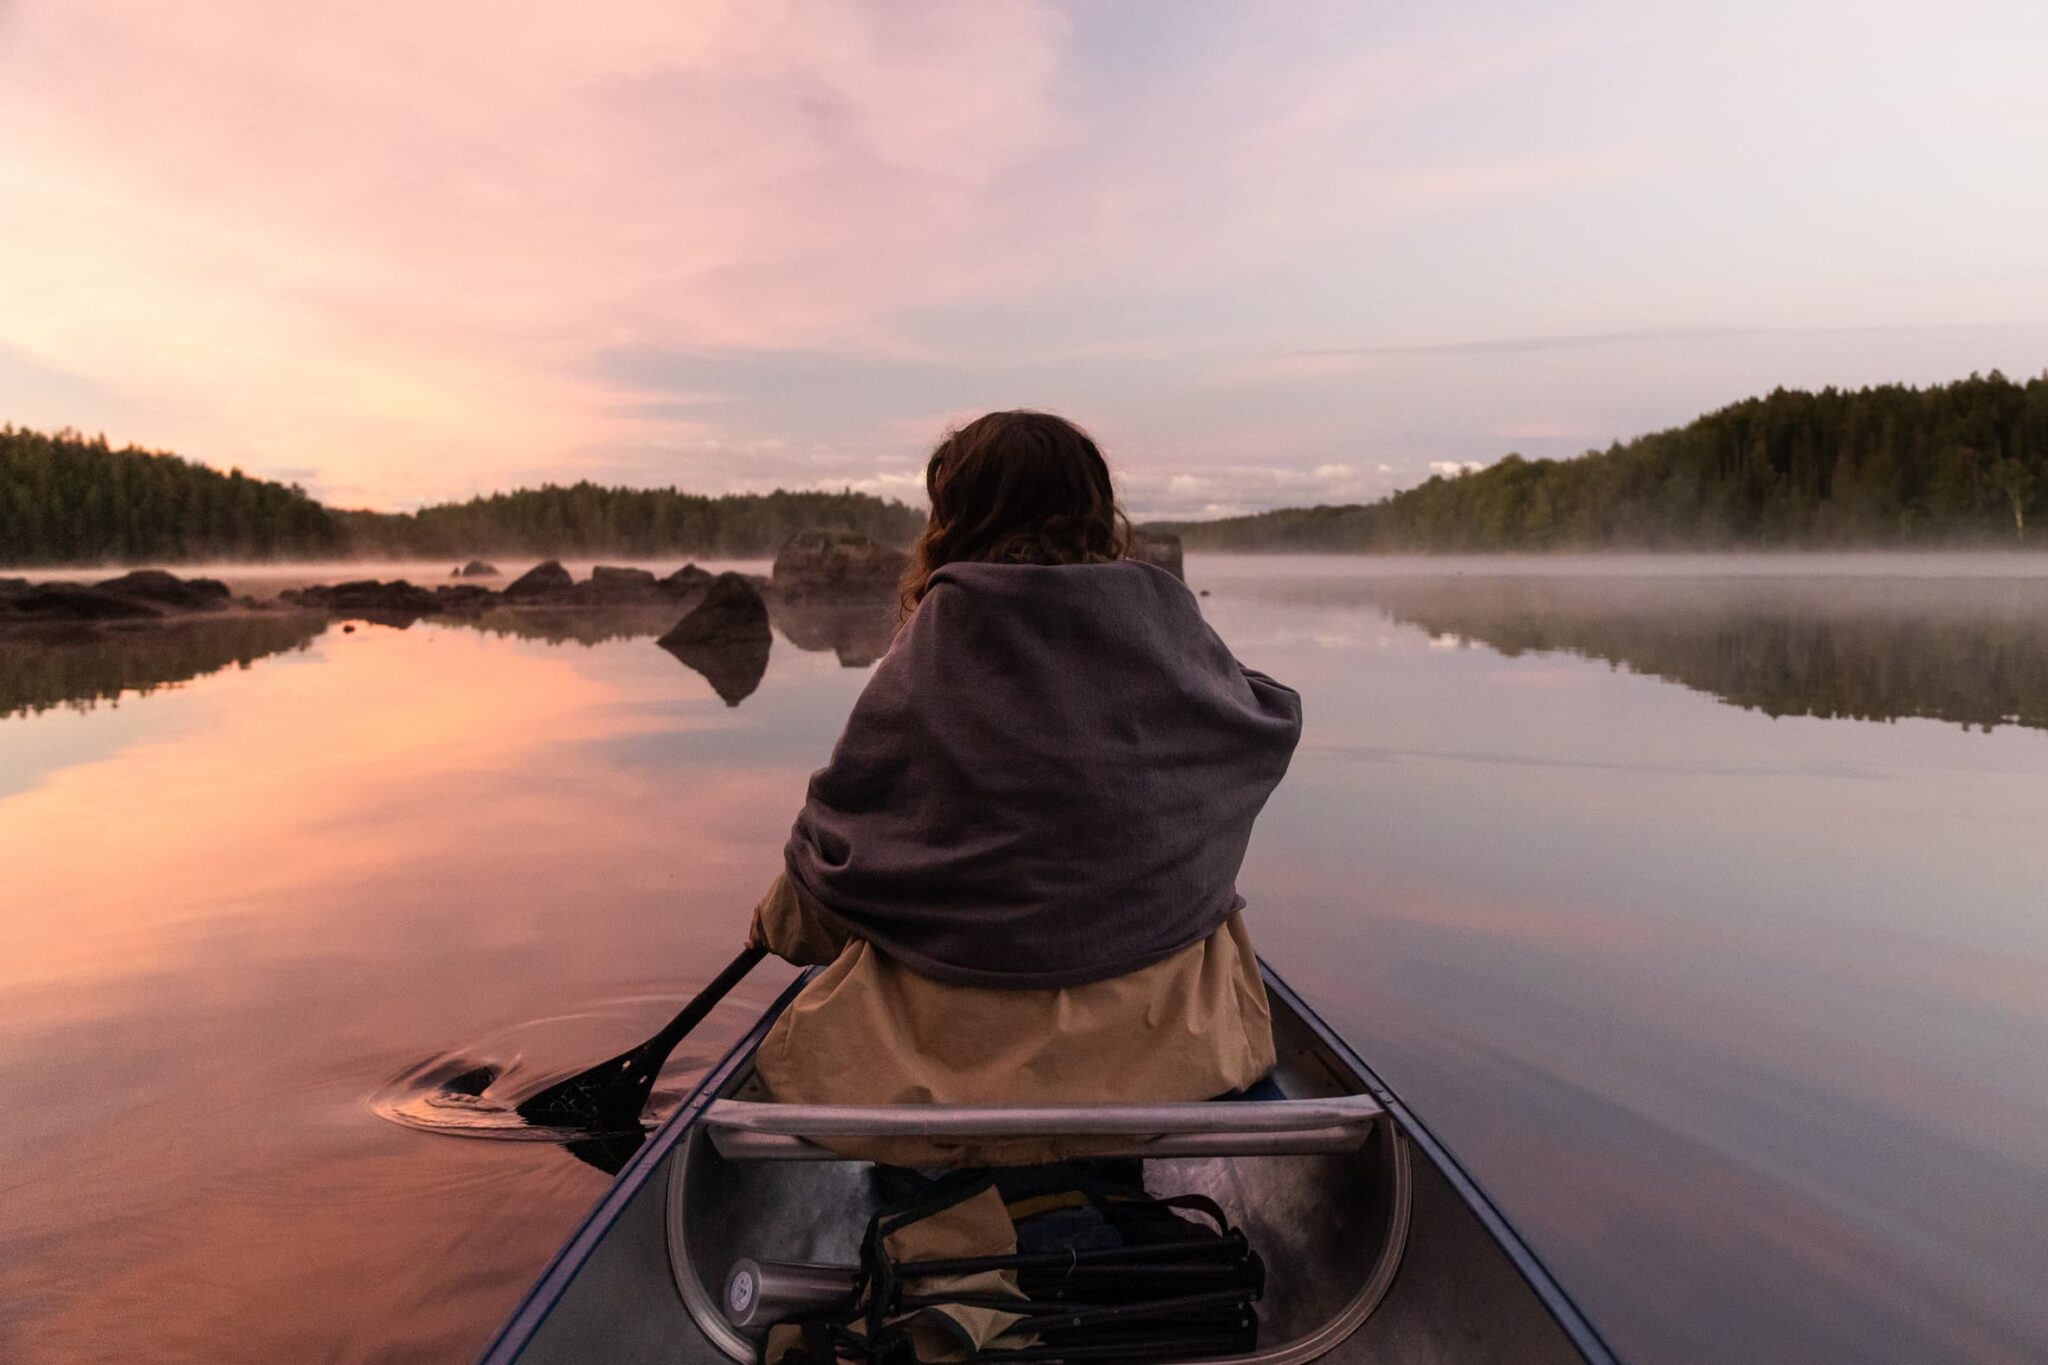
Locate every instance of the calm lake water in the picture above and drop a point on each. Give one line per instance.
(1700, 906)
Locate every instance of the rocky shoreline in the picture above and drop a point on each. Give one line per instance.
(139, 598)
(830, 590)
(813, 564)
(827, 590)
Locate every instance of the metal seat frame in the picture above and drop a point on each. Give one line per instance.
(747, 1130)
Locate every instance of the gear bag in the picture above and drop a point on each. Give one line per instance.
(1106, 1271)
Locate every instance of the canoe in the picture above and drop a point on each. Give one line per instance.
(1378, 1248)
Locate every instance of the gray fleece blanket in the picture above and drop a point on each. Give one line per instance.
(1050, 779)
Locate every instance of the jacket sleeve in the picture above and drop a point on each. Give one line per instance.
(786, 926)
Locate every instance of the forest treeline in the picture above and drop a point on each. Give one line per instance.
(1958, 464)
(65, 499)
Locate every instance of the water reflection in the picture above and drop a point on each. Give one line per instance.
(857, 631)
(1969, 650)
(89, 666)
(1743, 1019)
(1973, 651)
(734, 668)
(572, 625)
(92, 665)
(220, 933)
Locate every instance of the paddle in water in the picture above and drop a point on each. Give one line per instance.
(611, 1094)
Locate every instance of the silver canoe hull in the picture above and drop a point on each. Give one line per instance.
(1379, 1250)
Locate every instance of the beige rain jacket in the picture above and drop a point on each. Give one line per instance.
(868, 1030)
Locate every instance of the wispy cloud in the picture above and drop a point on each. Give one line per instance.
(1339, 362)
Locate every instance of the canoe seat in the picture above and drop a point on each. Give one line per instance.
(748, 1130)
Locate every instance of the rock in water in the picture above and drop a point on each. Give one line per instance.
(466, 599)
(731, 612)
(170, 591)
(76, 602)
(726, 638)
(476, 568)
(541, 582)
(828, 563)
(141, 595)
(687, 581)
(397, 598)
(1159, 548)
(611, 587)
(612, 576)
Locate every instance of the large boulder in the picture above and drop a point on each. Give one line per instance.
(476, 568)
(725, 637)
(732, 611)
(540, 583)
(169, 591)
(836, 563)
(1161, 549)
(612, 587)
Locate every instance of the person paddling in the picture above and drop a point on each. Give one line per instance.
(1018, 869)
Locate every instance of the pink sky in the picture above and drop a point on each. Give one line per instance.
(1270, 254)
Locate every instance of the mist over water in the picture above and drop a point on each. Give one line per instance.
(1695, 903)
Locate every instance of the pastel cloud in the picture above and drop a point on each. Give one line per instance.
(409, 226)
(413, 251)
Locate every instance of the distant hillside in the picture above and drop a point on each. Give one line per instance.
(1963, 463)
(68, 500)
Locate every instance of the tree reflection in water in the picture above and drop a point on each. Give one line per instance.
(1972, 651)
(87, 666)
(1969, 650)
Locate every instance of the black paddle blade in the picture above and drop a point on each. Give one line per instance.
(608, 1097)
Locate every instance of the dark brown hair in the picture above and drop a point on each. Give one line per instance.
(1016, 488)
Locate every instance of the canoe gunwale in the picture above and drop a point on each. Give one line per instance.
(1559, 1304)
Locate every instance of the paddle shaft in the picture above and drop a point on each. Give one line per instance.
(714, 991)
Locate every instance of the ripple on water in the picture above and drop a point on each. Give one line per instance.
(475, 1090)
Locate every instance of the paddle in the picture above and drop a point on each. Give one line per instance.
(611, 1094)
